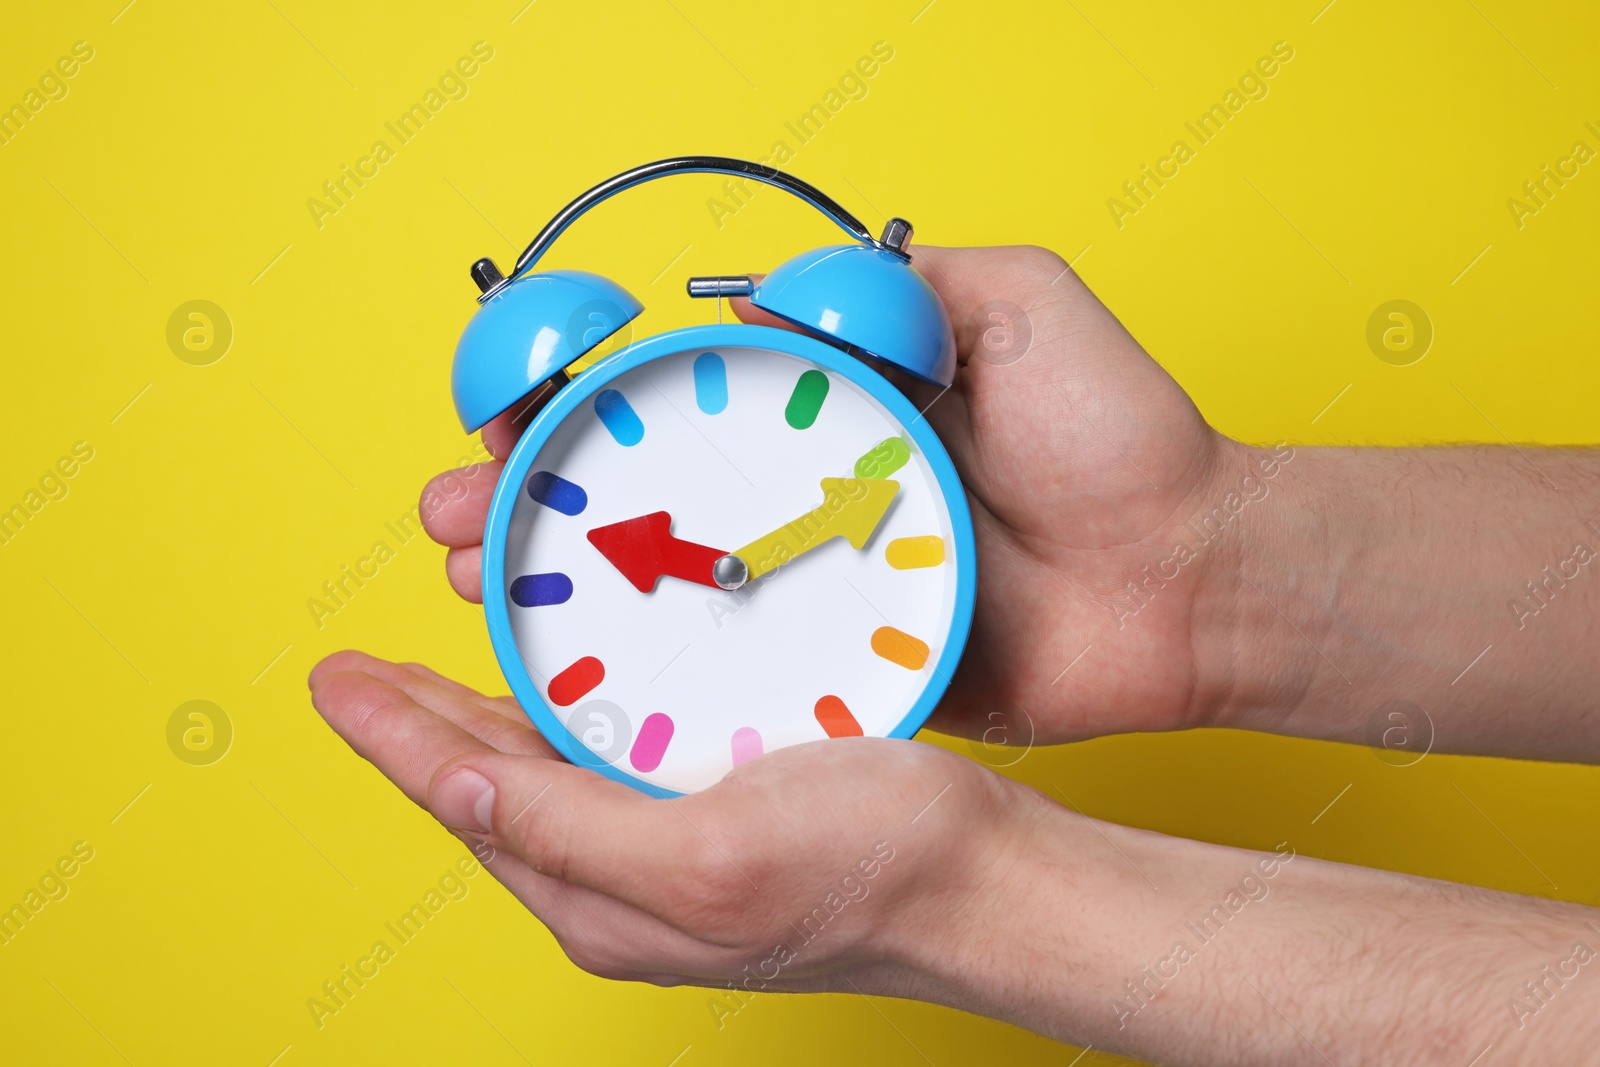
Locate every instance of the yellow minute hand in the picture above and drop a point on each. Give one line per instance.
(851, 508)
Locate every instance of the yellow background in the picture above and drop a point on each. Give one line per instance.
(180, 563)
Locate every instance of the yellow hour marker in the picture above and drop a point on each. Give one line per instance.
(910, 553)
(899, 647)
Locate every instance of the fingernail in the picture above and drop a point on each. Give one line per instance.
(464, 800)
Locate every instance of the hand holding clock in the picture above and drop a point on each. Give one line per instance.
(891, 867)
(1081, 459)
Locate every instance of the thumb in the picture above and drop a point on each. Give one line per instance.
(573, 824)
(968, 280)
(754, 316)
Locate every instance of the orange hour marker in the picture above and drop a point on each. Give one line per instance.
(835, 718)
(899, 647)
(909, 553)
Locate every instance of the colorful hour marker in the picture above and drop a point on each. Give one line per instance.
(806, 400)
(835, 719)
(899, 647)
(576, 681)
(710, 383)
(541, 590)
(556, 493)
(619, 417)
(654, 737)
(883, 458)
(910, 553)
(746, 744)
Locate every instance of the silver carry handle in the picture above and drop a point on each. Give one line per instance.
(490, 281)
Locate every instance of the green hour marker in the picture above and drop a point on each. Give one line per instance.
(883, 458)
(806, 400)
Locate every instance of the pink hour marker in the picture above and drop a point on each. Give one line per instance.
(655, 734)
(746, 744)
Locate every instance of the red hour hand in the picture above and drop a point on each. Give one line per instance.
(644, 550)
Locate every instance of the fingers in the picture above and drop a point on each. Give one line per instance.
(919, 392)
(561, 820)
(965, 278)
(984, 288)
(749, 313)
(389, 730)
(506, 706)
(455, 504)
(500, 435)
(573, 824)
(497, 721)
(503, 431)
(482, 717)
(464, 568)
(968, 278)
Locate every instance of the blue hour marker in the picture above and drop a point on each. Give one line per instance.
(710, 383)
(619, 417)
(556, 493)
(540, 590)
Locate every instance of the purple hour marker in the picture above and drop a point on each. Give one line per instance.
(540, 590)
(556, 493)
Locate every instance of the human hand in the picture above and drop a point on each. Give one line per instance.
(825, 866)
(1082, 459)
(890, 867)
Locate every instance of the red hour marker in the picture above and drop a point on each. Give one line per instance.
(835, 718)
(576, 681)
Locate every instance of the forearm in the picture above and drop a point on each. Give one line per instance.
(1464, 581)
(1187, 953)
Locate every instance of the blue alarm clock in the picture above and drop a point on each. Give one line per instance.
(722, 540)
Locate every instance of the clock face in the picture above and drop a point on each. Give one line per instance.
(728, 465)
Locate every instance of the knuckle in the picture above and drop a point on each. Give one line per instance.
(539, 834)
(441, 491)
(1039, 262)
(530, 838)
(360, 699)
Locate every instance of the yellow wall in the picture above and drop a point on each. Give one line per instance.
(219, 498)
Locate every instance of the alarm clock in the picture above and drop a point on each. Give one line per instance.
(722, 540)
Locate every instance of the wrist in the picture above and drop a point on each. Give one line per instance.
(1155, 947)
(1029, 930)
(1257, 520)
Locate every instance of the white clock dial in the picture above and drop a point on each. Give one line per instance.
(677, 685)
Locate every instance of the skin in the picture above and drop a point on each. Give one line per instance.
(1334, 580)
